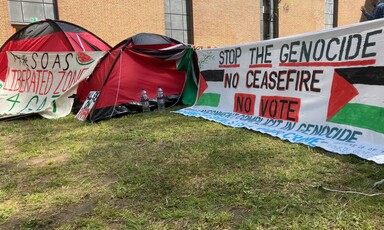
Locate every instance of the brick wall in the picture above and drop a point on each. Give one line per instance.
(349, 11)
(215, 23)
(226, 22)
(298, 16)
(5, 27)
(115, 20)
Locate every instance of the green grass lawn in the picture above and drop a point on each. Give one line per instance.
(169, 171)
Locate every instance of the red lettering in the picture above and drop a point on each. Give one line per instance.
(244, 103)
(281, 108)
(58, 85)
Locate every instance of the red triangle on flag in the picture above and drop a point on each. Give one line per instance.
(202, 86)
(341, 93)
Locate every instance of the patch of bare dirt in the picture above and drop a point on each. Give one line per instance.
(44, 161)
(54, 218)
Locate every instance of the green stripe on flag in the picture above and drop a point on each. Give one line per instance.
(209, 99)
(362, 116)
(190, 88)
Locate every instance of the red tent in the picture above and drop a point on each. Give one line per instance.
(50, 36)
(144, 61)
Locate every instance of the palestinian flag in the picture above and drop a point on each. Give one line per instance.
(205, 97)
(357, 98)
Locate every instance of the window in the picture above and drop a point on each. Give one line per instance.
(330, 17)
(23, 12)
(269, 27)
(178, 20)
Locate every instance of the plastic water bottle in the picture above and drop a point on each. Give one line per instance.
(160, 99)
(145, 102)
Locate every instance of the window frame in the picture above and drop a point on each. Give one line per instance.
(184, 25)
(23, 9)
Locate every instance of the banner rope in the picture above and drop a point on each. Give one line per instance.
(346, 191)
(118, 84)
(81, 44)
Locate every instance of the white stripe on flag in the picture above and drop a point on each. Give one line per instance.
(369, 95)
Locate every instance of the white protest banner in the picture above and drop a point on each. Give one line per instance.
(43, 82)
(323, 89)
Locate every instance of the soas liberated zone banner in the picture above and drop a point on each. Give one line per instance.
(43, 82)
(322, 89)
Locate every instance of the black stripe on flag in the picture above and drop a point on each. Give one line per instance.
(363, 75)
(213, 75)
